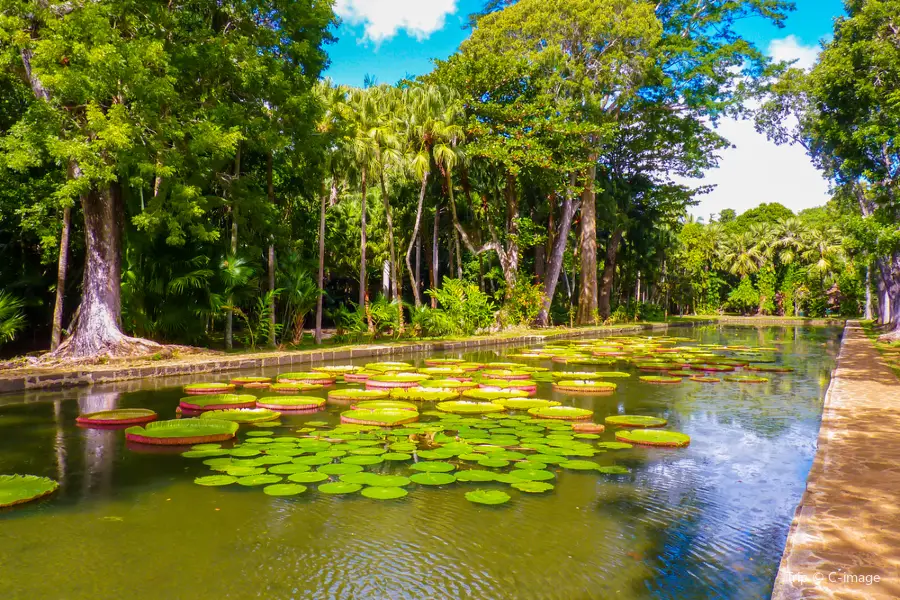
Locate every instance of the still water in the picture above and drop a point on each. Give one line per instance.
(707, 521)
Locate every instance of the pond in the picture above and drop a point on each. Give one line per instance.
(709, 520)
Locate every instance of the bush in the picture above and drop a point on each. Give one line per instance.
(524, 303)
(12, 320)
(354, 323)
(463, 310)
(744, 298)
(766, 283)
(636, 311)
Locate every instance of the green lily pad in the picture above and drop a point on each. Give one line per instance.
(208, 388)
(635, 421)
(396, 456)
(386, 417)
(384, 493)
(487, 497)
(614, 445)
(308, 477)
(362, 460)
(614, 470)
(469, 407)
(533, 487)
(289, 403)
(288, 469)
(432, 467)
(254, 480)
(215, 480)
(660, 379)
(491, 395)
(242, 471)
(524, 403)
(244, 452)
(339, 469)
(432, 478)
(204, 453)
(532, 474)
(242, 415)
(654, 437)
(424, 394)
(579, 465)
(566, 413)
(339, 487)
(352, 395)
(182, 432)
(284, 489)
(493, 463)
(312, 460)
(474, 475)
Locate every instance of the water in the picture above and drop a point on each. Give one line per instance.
(708, 521)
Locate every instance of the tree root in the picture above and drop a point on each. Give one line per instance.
(111, 347)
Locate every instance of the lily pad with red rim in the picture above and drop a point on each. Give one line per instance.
(208, 388)
(635, 421)
(565, 413)
(654, 437)
(19, 489)
(291, 403)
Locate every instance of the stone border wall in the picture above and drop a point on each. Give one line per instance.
(95, 374)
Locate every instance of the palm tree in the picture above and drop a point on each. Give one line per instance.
(432, 124)
(363, 112)
(742, 255)
(788, 239)
(824, 252)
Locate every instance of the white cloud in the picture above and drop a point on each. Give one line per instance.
(791, 48)
(757, 170)
(384, 18)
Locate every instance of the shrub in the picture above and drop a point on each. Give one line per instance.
(744, 298)
(464, 309)
(524, 303)
(12, 320)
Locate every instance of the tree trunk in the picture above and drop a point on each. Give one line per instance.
(868, 309)
(511, 264)
(587, 297)
(609, 272)
(320, 280)
(229, 316)
(890, 273)
(560, 241)
(363, 293)
(271, 193)
(414, 274)
(395, 283)
(97, 331)
(62, 268)
(419, 262)
(435, 283)
(459, 272)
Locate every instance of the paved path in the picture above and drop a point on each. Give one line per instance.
(844, 542)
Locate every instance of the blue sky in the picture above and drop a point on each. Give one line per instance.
(392, 39)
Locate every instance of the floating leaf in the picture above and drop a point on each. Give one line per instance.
(474, 475)
(533, 487)
(312, 460)
(215, 480)
(339, 487)
(614, 470)
(242, 471)
(362, 460)
(18, 489)
(254, 480)
(487, 497)
(579, 465)
(339, 469)
(635, 421)
(654, 437)
(284, 489)
(469, 407)
(432, 478)
(182, 432)
(117, 417)
(288, 469)
(433, 467)
(289, 403)
(614, 445)
(397, 456)
(566, 413)
(384, 493)
(242, 415)
(533, 474)
(308, 477)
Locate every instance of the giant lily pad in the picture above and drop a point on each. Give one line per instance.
(469, 407)
(385, 417)
(432, 467)
(339, 487)
(337, 369)
(635, 421)
(117, 418)
(307, 377)
(262, 479)
(533, 487)
(654, 437)
(493, 394)
(487, 497)
(384, 493)
(182, 432)
(565, 413)
(215, 480)
(308, 477)
(252, 382)
(395, 380)
(660, 379)
(284, 489)
(379, 404)
(289, 403)
(352, 395)
(585, 386)
(208, 388)
(533, 474)
(432, 478)
(746, 379)
(241, 415)
(588, 375)
(18, 489)
(294, 388)
(764, 368)
(423, 394)
(443, 362)
(389, 366)
(218, 402)
(448, 384)
(505, 374)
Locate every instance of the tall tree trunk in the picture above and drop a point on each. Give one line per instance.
(395, 284)
(419, 263)
(271, 193)
(560, 240)
(61, 270)
(320, 280)
(363, 293)
(890, 273)
(609, 272)
(97, 331)
(511, 266)
(415, 239)
(449, 174)
(868, 309)
(587, 297)
(229, 316)
(435, 283)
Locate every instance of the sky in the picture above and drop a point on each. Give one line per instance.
(393, 39)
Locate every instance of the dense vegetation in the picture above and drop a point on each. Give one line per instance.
(180, 173)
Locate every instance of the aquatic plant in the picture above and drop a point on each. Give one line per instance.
(489, 497)
(352, 395)
(252, 382)
(307, 377)
(395, 380)
(654, 437)
(660, 380)
(565, 413)
(585, 387)
(241, 415)
(292, 388)
(18, 489)
(524, 403)
(422, 394)
(635, 421)
(182, 432)
(117, 418)
(289, 403)
(469, 407)
(387, 417)
(208, 388)
(746, 379)
(377, 404)
(218, 402)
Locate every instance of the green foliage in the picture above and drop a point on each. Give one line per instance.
(744, 298)
(18, 489)
(12, 319)
(765, 282)
(463, 309)
(523, 303)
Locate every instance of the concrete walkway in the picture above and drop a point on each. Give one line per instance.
(845, 539)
